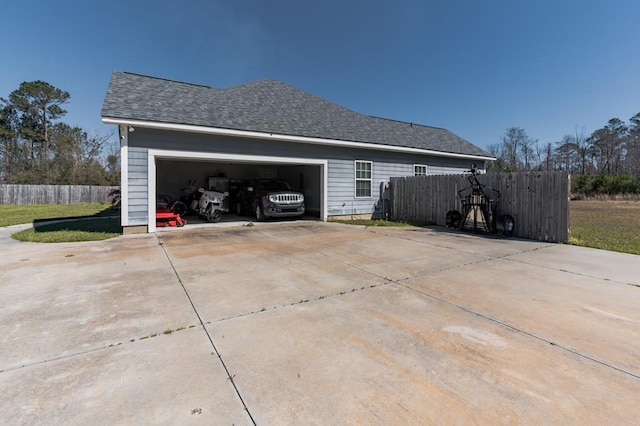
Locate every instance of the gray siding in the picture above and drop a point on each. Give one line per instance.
(340, 174)
(137, 181)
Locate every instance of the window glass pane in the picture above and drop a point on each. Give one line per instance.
(363, 170)
(363, 188)
(363, 178)
(419, 170)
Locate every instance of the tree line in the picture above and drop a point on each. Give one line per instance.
(606, 161)
(37, 147)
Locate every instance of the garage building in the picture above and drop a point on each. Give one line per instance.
(174, 132)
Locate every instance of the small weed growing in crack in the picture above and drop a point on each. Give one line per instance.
(180, 328)
(132, 340)
(145, 337)
(69, 255)
(263, 309)
(167, 331)
(250, 224)
(153, 335)
(191, 326)
(321, 297)
(341, 293)
(196, 411)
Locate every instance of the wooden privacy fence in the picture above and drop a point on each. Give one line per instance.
(53, 194)
(538, 202)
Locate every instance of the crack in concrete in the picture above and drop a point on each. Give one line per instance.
(57, 358)
(96, 349)
(316, 299)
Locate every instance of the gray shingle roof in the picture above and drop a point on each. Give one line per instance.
(267, 106)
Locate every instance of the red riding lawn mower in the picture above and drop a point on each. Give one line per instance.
(479, 207)
(170, 212)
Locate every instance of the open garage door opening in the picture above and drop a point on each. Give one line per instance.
(181, 178)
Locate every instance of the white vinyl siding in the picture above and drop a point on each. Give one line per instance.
(419, 170)
(363, 178)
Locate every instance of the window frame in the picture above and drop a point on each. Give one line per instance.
(415, 166)
(357, 179)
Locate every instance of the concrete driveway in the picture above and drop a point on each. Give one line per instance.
(317, 323)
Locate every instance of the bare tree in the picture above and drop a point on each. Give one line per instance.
(515, 151)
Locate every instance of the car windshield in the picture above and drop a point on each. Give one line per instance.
(272, 185)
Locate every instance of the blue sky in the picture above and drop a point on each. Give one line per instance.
(473, 67)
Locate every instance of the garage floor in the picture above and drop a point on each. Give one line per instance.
(317, 323)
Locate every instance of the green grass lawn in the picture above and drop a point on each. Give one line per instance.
(15, 215)
(608, 225)
(82, 222)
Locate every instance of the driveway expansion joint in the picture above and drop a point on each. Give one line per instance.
(525, 332)
(565, 271)
(213, 345)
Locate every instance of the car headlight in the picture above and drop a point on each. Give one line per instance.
(272, 198)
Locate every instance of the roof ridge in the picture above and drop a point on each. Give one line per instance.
(406, 122)
(254, 82)
(167, 79)
(296, 89)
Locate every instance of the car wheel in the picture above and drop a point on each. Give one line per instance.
(259, 213)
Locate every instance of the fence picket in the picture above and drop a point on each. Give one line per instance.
(538, 201)
(53, 194)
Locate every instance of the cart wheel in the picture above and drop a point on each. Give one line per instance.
(505, 224)
(453, 219)
(213, 215)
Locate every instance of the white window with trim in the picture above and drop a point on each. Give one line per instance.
(419, 170)
(363, 178)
